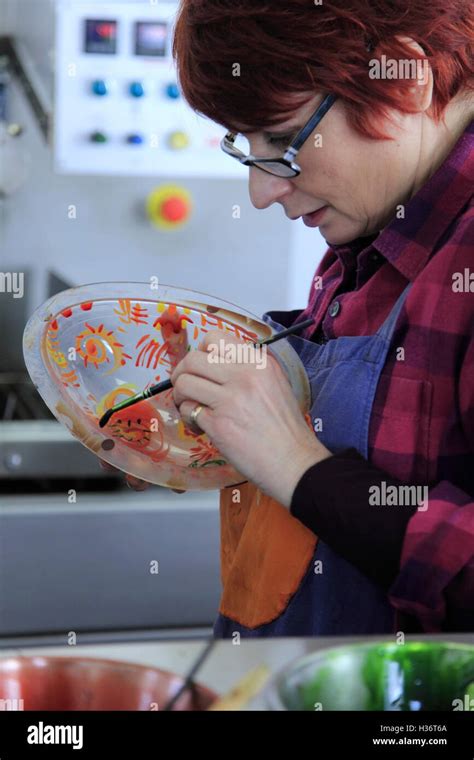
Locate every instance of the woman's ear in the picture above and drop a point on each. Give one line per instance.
(421, 90)
(417, 71)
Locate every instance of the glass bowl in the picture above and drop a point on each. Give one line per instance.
(415, 676)
(90, 347)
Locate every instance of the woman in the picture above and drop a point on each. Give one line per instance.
(367, 112)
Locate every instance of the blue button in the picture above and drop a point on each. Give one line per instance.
(137, 90)
(99, 87)
(135, 139)
(334, 309)
(172, 90)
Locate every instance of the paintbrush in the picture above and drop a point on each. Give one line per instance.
(165, 385)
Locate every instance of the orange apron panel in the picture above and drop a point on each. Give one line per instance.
(265, 553)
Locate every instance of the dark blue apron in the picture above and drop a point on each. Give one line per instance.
(343, 375)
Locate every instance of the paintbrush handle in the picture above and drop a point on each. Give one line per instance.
(165, 385)
(285, 333)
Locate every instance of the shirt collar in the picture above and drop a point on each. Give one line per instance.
(408, 243)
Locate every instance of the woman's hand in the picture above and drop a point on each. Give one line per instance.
(250, 413)
(134, 483)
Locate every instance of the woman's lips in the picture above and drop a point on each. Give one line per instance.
(312, 220)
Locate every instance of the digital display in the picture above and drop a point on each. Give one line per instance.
(101, 36)
(151, 38)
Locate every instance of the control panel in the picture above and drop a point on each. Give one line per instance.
(118, 106)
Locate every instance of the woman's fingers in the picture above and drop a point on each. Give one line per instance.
(202, 374)
(202, 365)
(106, 466)
(210, 361)
(185, 410)
(136, 484)
(192, 387)
(218, 338)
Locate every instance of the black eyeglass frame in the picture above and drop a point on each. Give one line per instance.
(287, 160)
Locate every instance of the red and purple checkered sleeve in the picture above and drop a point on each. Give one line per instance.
(436, 579)
(435, 583)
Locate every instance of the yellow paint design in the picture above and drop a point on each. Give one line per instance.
(184, 434)
(113, 397)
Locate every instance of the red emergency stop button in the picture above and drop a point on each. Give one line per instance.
(169, 206)
(174, 209)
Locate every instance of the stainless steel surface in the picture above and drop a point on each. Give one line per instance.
(43, 449)
(86, 567)
(19, 399)
(141, 638)
(32, 443)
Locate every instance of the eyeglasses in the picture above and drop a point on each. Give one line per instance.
(284, 166)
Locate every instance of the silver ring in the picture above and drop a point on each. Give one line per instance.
(197, 410)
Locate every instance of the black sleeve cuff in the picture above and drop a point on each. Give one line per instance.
(332, 500)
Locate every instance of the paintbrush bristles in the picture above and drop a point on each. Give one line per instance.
(105, 418)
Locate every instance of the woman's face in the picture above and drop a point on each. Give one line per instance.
(359, 180)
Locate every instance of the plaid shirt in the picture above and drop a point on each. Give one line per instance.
(422, 424)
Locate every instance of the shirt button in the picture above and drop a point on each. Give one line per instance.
(334, 309)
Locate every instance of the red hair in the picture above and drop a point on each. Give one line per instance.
(288, 48)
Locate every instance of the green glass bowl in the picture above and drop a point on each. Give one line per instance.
(415, 676)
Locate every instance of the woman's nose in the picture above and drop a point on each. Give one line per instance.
(265, 189)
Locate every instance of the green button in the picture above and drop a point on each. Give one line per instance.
(98, 137)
